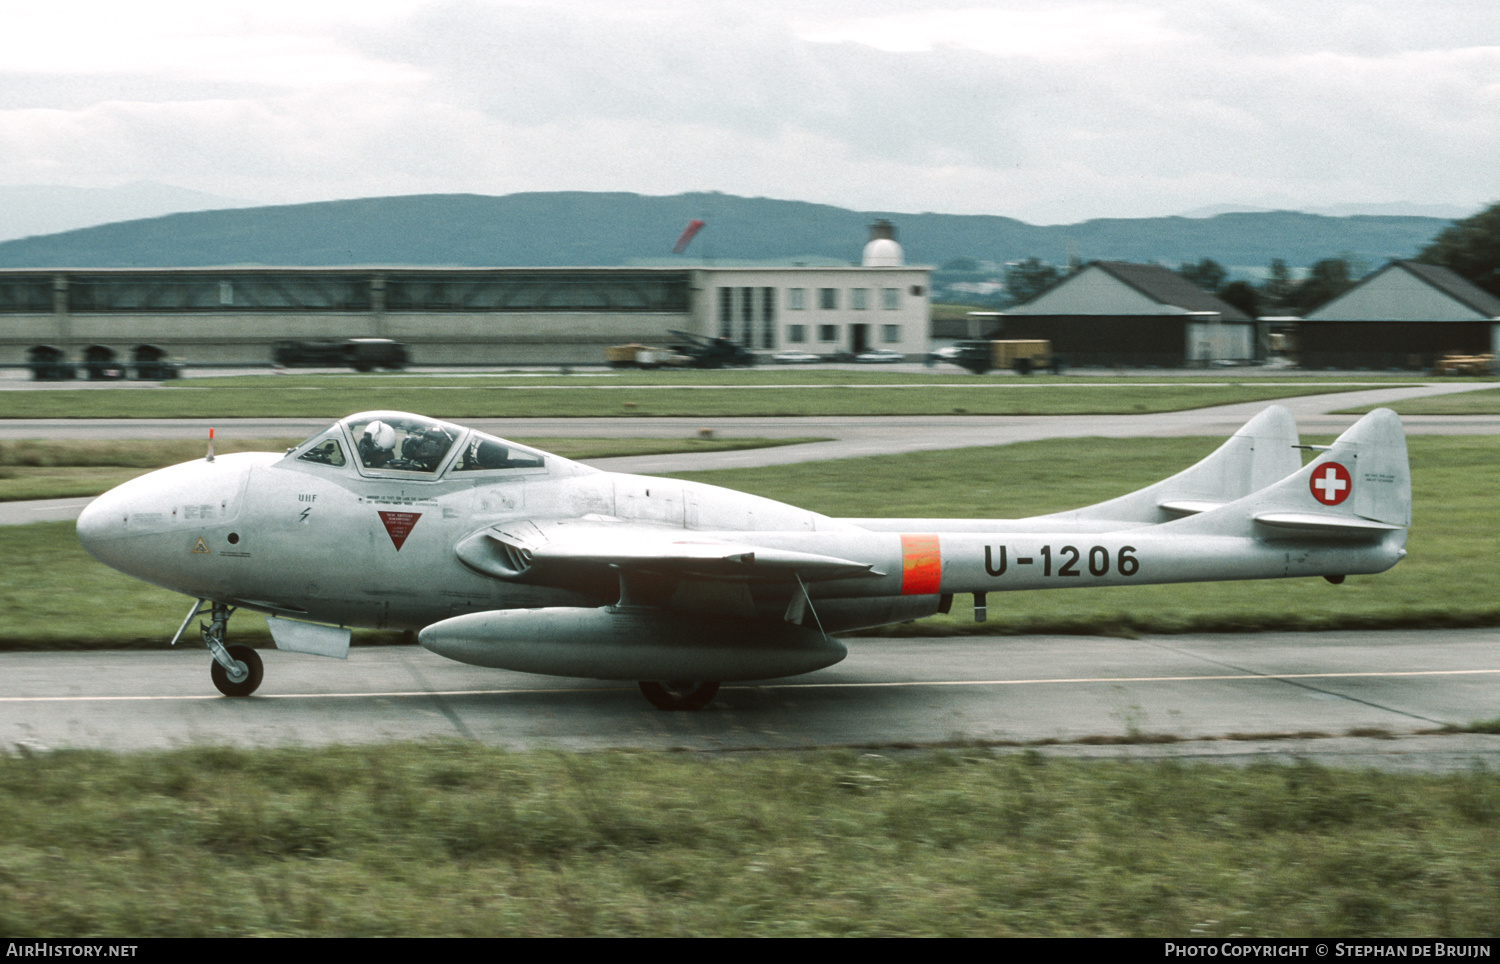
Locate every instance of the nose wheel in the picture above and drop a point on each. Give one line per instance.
(236, 670)
(679, 695)
(251, 671)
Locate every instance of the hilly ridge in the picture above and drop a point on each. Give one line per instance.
(574, 228)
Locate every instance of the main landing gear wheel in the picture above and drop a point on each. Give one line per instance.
(679, 696)
(254, 672)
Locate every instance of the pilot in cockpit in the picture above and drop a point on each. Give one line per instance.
(425, 449)
(377, 446)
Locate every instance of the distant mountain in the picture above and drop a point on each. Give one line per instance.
(1451, 212)
(48, 209)
(586, 229)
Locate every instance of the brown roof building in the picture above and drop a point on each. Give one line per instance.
(1137, 315)
(1406, 315)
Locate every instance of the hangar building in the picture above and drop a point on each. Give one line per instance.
(1406, 315)
(467, 316)
(1137, 315)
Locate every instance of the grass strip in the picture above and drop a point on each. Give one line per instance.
(1482, 402)
(68, 469)
(777, 376)
(462, 840)
(56, 596)
(335, 397)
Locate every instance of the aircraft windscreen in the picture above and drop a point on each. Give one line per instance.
(402, 442)
(486, 452)
(326, 452)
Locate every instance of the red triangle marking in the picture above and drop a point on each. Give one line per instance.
(398, 526)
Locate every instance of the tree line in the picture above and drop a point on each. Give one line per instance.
(1470, 248)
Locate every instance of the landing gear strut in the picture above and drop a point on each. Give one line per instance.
(679, 695)
(236, 670)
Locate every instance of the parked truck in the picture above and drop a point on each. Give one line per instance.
(1454, 363)
(361, 354)
(636, 355)
(1021, 355)
(692, 351)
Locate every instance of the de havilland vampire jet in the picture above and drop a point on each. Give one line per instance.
(508, 557)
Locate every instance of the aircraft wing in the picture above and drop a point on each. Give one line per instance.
(696, 557)
(537, 551)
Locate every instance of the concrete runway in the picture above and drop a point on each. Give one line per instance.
(1357, 698)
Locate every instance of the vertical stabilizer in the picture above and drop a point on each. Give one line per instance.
(1260, 454)
(1358, 488)
(1382, 483)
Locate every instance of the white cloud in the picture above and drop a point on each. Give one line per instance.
(1044, 111)
(279, 44)
(1074, 31)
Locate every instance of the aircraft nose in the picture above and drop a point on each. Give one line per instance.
(102, 520)
(104, 527)
(138, 527)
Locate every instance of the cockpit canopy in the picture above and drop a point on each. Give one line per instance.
(399, 445)
(403, 443)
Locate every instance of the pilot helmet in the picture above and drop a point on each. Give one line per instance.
(382, 435)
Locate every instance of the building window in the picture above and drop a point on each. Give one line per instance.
(747, 317)
(768, 317)
(828, 298)
(828, 333)
(796, 334)
(796, 299)
(726, 312)
(890, 334)
(859, 299)
(892, 298)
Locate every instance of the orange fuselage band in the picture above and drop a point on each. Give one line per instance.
(921, 565)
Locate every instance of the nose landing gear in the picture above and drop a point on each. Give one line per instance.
(251, 670)
(236, 670)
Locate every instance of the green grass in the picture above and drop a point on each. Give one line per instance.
(460, 840)
(1482, 402)
(63, 470)
(700, 394)
(767, 375)
(68, 469)
(1447, 580)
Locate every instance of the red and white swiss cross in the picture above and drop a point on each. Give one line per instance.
(1331, 483)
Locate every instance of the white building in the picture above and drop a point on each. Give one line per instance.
(468, 315)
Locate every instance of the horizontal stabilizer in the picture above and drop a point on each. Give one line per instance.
(1188, 506)
(1326, 525)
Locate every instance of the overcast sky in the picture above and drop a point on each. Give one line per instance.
(1050, 112)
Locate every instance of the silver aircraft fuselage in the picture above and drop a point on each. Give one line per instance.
(506, 556)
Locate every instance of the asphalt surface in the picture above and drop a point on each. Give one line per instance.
(1357, 699)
